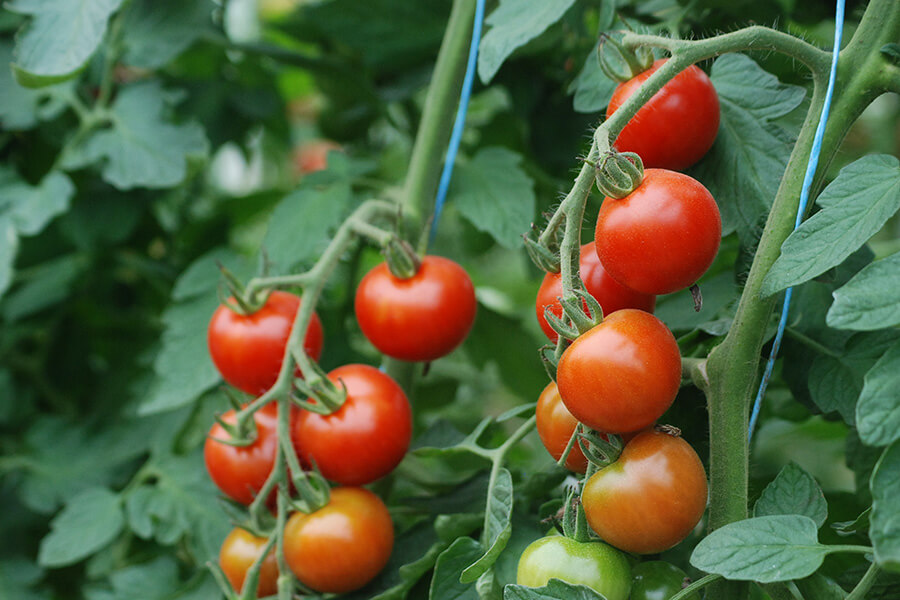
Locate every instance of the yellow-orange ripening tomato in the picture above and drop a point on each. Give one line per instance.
(238, 553)
(555, 426)
(650, 498)
(342, 546)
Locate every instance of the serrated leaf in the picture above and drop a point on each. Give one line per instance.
(763, 549)
(592, 88)
(499, 525)
(554, 590)
(793, 492)
(864, 195)
(141, 148)
(22, 108)
(878, 409)
(90, 521)
(869, 301)
(154, 580)
(61, 37)
(513, 24)
(495, 195)
(445, 584)
(748, 158)
(884, 530)
(156, 31)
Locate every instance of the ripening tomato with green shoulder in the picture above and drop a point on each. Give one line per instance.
(658, 580)
(593, 564)
(343, 545)
(662, 237)
(248, 350)
(420, 318)
(611, 294)
(677, 126)
(649, 499)
(238, 553)
(621, 375)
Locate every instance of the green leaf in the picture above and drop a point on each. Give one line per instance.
(891, 50)
(820, 587)
(554, 590)
(499, 525)
(495, 195)
(141, 148)
(513, 24)
(154, 580)
(156, 31)
(748, 158)
(835, 382)
(863, 196)
(90, 521)
(763, 549)
(445, 584)
(869, 300)
(22, 108)
(45, 285)
(860, 525)
(878, 409)
(885, 517)
(793, 492)
(181, 505)
(17, 577)
(592, 88)
(61, 37)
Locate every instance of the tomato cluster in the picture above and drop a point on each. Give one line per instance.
(342, 545)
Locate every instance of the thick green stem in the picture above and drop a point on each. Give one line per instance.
(865, 584)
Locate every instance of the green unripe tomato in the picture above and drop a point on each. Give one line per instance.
(593, 564)
(657, 580)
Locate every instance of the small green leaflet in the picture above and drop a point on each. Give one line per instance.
(445, 582)
(858, 203)
(499, 525)
(554, 590)
(878, 409)
(154, 580)
(22, 108)
(157, 31)
(885, 526)
(493, 192)
(141, 148)
(90, 521)
(764, 549)
(513, 24)
(748, 158)
(59, 40)
(793, 492)
(592, 88)
(17, 576)
(869, 300)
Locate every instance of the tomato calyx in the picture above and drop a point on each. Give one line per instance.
(600, 450)
(402, 260)
(619, 173)
(236, 297)
(619, 62)
(543, 256)
(574, 309)
(313, 491)
(324, 396)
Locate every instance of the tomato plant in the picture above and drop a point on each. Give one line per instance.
(238, 553)
(366, 437)
(677, 126)
(593, 564)
(420, 318)
(663, 236)
(621, 375)
(342, 546)
(611, 295)
(657, 580)
(555, 425)
(650, 498)
(248, 349)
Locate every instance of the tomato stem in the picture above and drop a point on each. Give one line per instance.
(865, 584)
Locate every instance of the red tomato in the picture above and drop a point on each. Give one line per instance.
(312, 156)
(239, 551)
(611, 294)
(342, 546)
(417, 319)
(248, 349)
(555, 425)
(366, 437)
(651, 498)
(663, 236)
(241, 471)
(677, 126)
(621, 375)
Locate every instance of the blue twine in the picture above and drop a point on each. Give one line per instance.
(460, 122)
(801, 210)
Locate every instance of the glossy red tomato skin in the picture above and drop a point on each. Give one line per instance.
(240, 471)
(364, 439)
(651, 498)
(621, 375)
(343, 546)
(677, 126)
(248, 349)
(238, 553)
(555, 426)
(421, 318)
(662, 237)
(611, 294)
